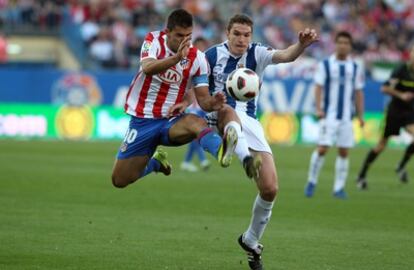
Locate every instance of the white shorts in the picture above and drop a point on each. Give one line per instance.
(336, 132)
(251, 128)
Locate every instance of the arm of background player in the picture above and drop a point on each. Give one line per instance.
(151, 66)
(207, 102)
(318, 101)
(390, 90)
(180, 108)
(359, 105)
(290, 54)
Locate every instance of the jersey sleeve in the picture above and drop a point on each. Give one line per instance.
(360, 77)
(150, 47)
(396, 74)
(201, 70)
(320, 75)
(264, 55)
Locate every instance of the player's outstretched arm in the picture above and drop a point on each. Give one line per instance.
(306, 38)
(207, 102)
(151, 66)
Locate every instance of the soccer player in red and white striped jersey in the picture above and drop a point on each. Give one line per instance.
(157, 98)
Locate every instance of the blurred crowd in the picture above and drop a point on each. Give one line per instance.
(113, 30)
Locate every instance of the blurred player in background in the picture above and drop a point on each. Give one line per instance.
(239, 51)
(194, 147)
(338, 80)
(400, 114)
(157, 99)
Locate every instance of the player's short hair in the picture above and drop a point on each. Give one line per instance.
(179, 17)
(241, 19)
(343, 34)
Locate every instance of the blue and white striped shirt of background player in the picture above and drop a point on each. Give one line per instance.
(340, 80)
(222, 63)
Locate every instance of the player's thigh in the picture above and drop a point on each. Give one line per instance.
(327, 132)
(186, 128)
(225, 115)
(254, 133)
(345, 135)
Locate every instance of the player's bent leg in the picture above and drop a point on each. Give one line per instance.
(229, 121)
(127, 171)
(191, 126)
(267, 184)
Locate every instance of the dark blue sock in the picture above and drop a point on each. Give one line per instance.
(190, 151)
(152, 166)
(210, 141)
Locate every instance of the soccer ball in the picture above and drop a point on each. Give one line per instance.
(243, 84)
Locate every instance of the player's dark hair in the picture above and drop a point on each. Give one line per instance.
(343, 34)
(241, 19)
(200, 39)
(179, 17)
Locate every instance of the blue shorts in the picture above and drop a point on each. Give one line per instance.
(144, 135)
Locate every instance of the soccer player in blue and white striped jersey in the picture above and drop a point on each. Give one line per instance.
(236, 52)
(339, 81)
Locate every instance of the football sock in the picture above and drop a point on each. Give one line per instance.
(242, 149)
(316, 163)
(153, 165)
(190, 151)
(341, 172)
(371, 156)
(262, 210)
(200, 151)
(407, 155)
(210, 141)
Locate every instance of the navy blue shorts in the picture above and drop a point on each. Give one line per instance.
(144, 135)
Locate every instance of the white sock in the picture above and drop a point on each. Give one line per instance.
(341, 172)
(262, 210)
(242, 149)
(316, 163)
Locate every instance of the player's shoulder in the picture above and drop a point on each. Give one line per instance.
(154, 35)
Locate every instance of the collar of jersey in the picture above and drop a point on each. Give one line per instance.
(225, 43)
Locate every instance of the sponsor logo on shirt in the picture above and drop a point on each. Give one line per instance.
(170, 76)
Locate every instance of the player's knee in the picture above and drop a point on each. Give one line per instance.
(269, 193)
(322, 151)
(119, 181)
(197, 125)
(343, 153)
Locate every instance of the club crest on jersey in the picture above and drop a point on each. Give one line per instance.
(240, 65)
(170, 76)
(184, 63)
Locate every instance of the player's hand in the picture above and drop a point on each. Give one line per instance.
(361, 122)
(307, 37)
(219, 99)
(320, 114)
(184, 47)
(177, 109)
(406, 96)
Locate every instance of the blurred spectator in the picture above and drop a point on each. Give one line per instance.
(3, 49)
(102, 49)
(382, 30)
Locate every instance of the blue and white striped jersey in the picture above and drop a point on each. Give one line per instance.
(340, 80)
(222, 63)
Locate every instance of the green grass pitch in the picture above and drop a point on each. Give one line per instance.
(58, 210)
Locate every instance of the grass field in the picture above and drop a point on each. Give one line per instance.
(58, 210)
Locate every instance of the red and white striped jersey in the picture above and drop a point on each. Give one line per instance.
(150, 96)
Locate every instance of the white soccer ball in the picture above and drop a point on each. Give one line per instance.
(243, 84)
